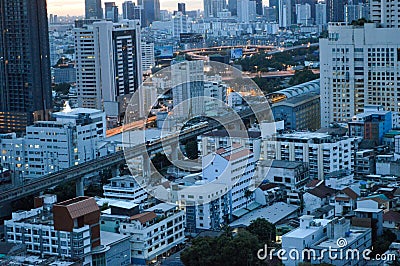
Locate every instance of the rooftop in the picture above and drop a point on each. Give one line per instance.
(123, 204)
(234, 134)
(273, 214)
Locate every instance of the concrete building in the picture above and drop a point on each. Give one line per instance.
(188, 85)
(322, 234)
(154, 232)
(93, 9)
(64, 74)
(212, 141)
(298, 106)
(151, 9)
(148, 59)
(285, 13)
(111, 11)
(320, 14)
(180, 24)
(124, 188)
(372, 125)
(303, 14)
(364, 163)
(212, 7)
(68, 229)
(323, 152)
(385, 13)
(106, 69)
(291, 175)
(360, 68)
(50, 146)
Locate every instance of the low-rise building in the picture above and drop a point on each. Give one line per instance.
(124, 188)
(154, 232)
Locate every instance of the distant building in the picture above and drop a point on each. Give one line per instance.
(180, 24)
(65, 74)
(93, 9)
(148, 59)
(151, 9)
(212, 7)
(291, 175)
(111, 11)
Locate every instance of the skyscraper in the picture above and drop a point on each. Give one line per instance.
(259, 7)
(132, 12)
(335, 10)
(359, 67)
(111, 11)
(182, 8)
(93, 9)
(385, 12)
(232, 7)
(151, 10)
(25, 82)
(108, 59)
(212, 7)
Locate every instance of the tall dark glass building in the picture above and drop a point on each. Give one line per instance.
(25, 82)
(151, 10)
(93, 9)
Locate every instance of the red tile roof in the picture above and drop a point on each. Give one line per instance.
(391, 216)
(349, 192)
(144, 217)
(322, 191)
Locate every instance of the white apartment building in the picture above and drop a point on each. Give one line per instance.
(234, 166)
(323, 153)
(320, 14)
(108, 63)
(303, 14)
(321, 235)
(50, 146)
(154, 232)
(359, 66)
(148, 59)
(212, 141)
(124, 188)
(385, 12)
(180, 24)
(52, 229)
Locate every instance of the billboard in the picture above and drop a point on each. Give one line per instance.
(236, 53)
(164, 51)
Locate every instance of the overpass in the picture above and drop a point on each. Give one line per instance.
(77, 173)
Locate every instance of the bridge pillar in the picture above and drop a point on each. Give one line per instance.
(80, 191)
(174, 151)
(146, 166)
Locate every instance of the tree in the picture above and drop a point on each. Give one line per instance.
(191, 150)
(264, 230)
(247, 194)
(302, 76)
(62, 88)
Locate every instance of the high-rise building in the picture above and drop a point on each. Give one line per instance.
(285, 13)
(335, 10)
(182, 8)
(212, 7)
(188, 81)
(360, 66)
(111, 11)
(93, 9)
(232, 7)
(132, 12)
(246, 10)
(320, 14)
(148, 59)
(303, 14)
(151, 10)
(180, 24)
(25, 80)
(385, 12)
(108, 60)
(355, 12)
(259, 7)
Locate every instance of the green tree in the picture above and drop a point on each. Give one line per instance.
(62, 88)
(264, 230)
(191, 149)
(302, 76)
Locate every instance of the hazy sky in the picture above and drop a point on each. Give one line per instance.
(77, 7)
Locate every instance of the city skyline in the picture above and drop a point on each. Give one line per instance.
(77, 7)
